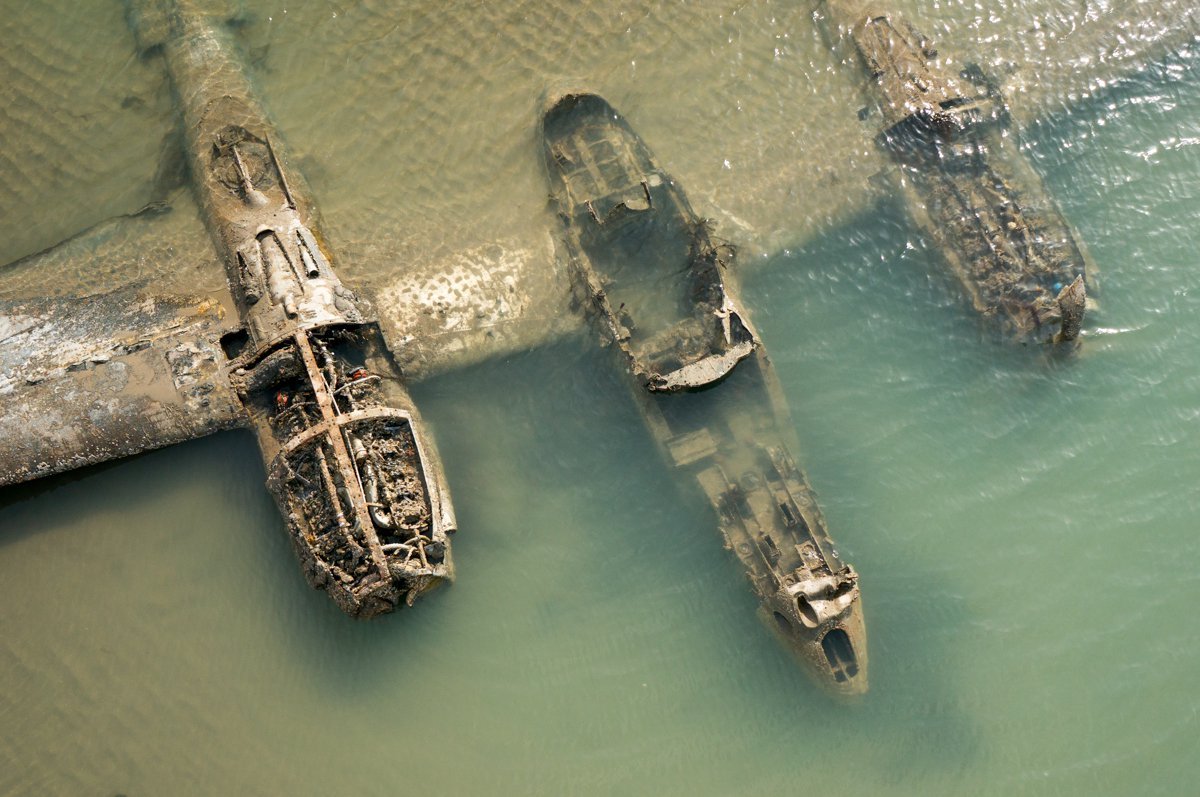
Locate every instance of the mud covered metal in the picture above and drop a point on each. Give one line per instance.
(965, 181)
(350, 465)
(657, 284)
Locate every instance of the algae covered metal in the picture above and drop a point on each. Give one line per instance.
(965, 182)
(656, 282)
(348, 460)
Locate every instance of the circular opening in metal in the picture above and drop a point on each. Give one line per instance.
(808, 614)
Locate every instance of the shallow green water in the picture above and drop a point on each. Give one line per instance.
(1025, 527)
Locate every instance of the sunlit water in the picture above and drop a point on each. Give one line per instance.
(1025, 527)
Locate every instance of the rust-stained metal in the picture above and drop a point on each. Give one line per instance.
(656, 283)
(966, 183)
(349, 461)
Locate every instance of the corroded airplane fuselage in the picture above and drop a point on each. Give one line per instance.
(966, 183)
(655, 282)
(348, 460)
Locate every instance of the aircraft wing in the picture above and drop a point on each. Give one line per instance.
(457, 245)
(459, 307)
(136, 363)
(85, 379)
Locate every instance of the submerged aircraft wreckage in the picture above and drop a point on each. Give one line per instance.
(966, 184)
(655, 281)
(348, 459)
(294, 353)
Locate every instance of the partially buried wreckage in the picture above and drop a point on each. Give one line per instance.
(348, 459)
(965, 182)
(655, 281)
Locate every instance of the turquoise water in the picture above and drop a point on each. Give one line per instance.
(1024, 526)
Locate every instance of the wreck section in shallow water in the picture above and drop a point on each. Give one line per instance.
(652, 277)
(965, 182)
(348, 461)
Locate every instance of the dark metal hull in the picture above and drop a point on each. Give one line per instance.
(727, 431)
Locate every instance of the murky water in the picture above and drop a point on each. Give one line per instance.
(1025, 527)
